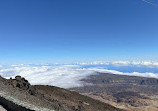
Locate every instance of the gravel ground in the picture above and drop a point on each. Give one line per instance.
(2, 109)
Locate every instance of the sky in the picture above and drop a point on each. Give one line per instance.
(49, 31)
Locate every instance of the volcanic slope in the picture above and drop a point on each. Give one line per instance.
(19, 95)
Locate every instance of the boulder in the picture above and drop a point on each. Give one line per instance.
(22, 84)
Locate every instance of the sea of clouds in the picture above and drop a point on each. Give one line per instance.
(68, 76)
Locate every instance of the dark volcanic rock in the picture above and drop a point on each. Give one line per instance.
(10, 106)
(22, 84)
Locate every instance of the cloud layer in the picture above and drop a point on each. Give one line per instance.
(153, 64)
(65, 76)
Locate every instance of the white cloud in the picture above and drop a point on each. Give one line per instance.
(123, 63)
(147, 74)
(64, 76)
(120, 63)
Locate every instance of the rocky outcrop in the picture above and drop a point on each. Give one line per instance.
(22, 84)
(149, 81)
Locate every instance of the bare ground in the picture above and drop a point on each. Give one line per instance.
(48, 98)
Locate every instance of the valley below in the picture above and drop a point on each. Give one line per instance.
(131, 93)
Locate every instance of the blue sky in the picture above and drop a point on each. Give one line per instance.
(40, 31)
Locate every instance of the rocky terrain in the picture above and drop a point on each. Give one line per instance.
(19, 95)
(2, 109)
(127, 92)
